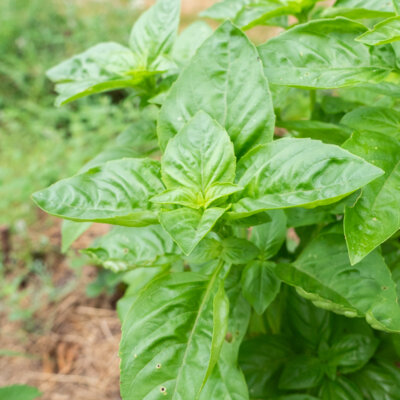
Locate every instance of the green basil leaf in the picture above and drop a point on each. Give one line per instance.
(310, 325)
(225, 9)
(260, 285)
(324, 131)
(71, 231)
(387, 31)
(297, 397)
(154, 33)
(374, 119)
(298, 217)
(124, 248)
(360, 9)
(117, 192)
(259, 12)
(376, 215)
(302, 372)
(103, 67)
(225, 80)
(227, 381)
(261, 358)
(199, 157)
(238, 251)
(379, 381)
(351, 352)
(136, 280)
(188, 226)
(297, 172)
(269, 237)
(19, 392)
(315, 55)
(172, 336)
(396, 4)
(189, 41)
(323, 274)
(340, 389)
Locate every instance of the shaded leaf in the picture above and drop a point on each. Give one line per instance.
(340, 389)
(260, 285)
(225, 80)
(125, 248)
(323, 274)
(269, 237)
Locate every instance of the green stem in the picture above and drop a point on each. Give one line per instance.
(313, 100)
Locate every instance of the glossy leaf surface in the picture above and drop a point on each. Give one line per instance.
(117, 192)
(297, 172)
(188, 226)
(324, 275)
(125, 248)
(103, 67)
(227, 380)
(154, 33)
(201, 159)
(376, 215)
(172, 336)
(375, 119)
(225, 80)
(321, 54)
(340, 389)
(359, 9)
(387, 31)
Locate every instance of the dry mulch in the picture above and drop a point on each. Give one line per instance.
(72, 353)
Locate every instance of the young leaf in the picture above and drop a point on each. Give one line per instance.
(225, 80)
(340, 389)
(225, 9)
(19, 392)
(351, 352)
(316, 55)
(324, 275)
(227, 380)
(172, 336)
(188, 226)
(387, 31)
(189, 41)
(376, 215)
(297, 172)
(71, 231)
(374, 119)
(302, 372)
(199, 157)
(360, 9)
(103, 67)
(125, 248)
(154, 33)
(270, 236)
(117, 192)
(260, 285)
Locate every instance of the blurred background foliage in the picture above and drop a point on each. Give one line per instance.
(40, 143)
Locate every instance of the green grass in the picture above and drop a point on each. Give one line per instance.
(40, 143)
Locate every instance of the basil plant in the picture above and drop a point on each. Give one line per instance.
(255, 203)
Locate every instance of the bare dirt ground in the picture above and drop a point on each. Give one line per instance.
(71, 351)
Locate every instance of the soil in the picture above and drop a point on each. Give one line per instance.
(71, 349)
